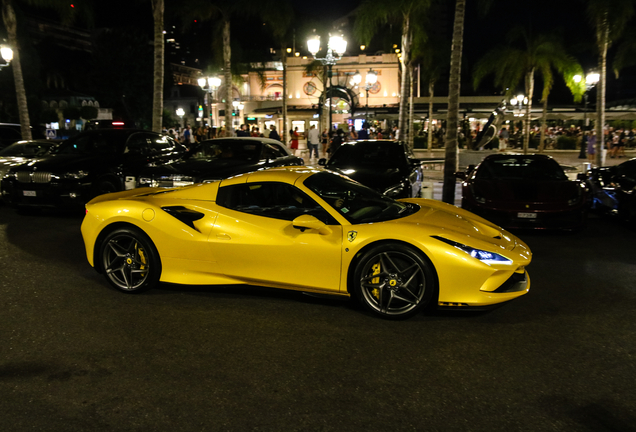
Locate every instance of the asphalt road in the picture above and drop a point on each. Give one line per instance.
(76, 355)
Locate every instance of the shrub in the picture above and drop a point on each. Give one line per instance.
(88, 112)
(566, 143)
(71, 113)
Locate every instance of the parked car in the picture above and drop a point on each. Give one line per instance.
(21, 152)
(12, 132)
(218, 159)
(384, 165)
(90, 164)
(525, 191)
(614, 189)
(308, 230)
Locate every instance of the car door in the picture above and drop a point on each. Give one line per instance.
(254, 239)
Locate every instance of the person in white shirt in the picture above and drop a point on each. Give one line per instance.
(313, 140)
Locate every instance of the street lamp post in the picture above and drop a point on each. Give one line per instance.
(180, 112)
(335, 49)
(519, 102)
(369, 81)
(591, 79)
(210, 85)
(7, 55)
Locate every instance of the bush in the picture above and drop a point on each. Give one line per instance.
(419, 142)
(71, 113)
(49, 116)
(566, 143)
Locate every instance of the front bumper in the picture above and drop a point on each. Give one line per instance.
(571, 219)
(67, 194)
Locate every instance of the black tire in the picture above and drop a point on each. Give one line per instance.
(104, 186)
(129, 260)
(393, 281)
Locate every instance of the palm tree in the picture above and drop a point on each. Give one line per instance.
(372, 15)
(609, 18)
(157, 100)
(512, 64)
(279, 15)
(11, 24)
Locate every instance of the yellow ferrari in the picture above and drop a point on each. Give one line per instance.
(309, 230)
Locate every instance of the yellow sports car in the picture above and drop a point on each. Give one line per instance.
(309, 230)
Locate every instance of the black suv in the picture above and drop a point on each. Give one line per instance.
(89, 164)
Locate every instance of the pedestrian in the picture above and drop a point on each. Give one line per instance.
(293, 142)
(273, 134)
(352, 135)
(187, 136)
(503, 139)
(324, 139)
(591, 146)
(336, 142)
(364, 133)
(313, 141)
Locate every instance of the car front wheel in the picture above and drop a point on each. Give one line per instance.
(130, 260)
(394, 281)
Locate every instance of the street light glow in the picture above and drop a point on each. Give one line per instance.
(7, 53)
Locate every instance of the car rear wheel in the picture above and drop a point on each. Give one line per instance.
(394, 281)
(129, 260)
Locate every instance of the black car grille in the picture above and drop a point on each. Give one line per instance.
(34, 177)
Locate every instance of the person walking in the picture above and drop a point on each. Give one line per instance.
(273, 134)
(293, 144)
(313, 141)
(324, 138)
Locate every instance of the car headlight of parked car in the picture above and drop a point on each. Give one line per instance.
(486, 257)
(174, 180)
(75, 175)
(395, 191)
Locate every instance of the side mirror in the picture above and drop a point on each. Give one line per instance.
(304, 222)
(461, 175)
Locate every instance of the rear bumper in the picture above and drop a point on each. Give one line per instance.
(570, 219)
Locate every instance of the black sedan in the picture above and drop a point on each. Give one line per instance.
(90, 164)
(384, 165)
(525, 191)
(614, 189)
(218, 159)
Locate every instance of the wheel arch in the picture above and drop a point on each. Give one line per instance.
(107, 230)
(359, 254)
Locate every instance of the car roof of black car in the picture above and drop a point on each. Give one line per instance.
(256, 139)
(499, 156)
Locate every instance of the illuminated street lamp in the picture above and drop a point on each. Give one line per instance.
(591, 79)
(369, 81)
(7, 55)
(335, 49)
(180, 112)
(519, 102)
(210, 85)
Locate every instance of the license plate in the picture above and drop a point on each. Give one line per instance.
(29, 193)
(527, 215)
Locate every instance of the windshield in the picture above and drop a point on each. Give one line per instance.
(228, 149)
(357, 203)
(88, 143)
(380, 154)
(25, 149)
(520, 168)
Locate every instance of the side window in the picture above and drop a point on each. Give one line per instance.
(138, 143)
(271, 151)
(273, 200)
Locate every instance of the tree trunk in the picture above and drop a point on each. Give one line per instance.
(283, 133)
(411, 124)
(10, 23)
(603, 42)
(227, 75)
(157, 99)
(543, 125)
(526, 123)
(406, 60)
(451, 146)
(429, 137)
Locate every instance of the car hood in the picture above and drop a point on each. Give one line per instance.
(67, 163)
(462, 226)
(203, 169)
(525, 191)
(376, 178)
(12, 161)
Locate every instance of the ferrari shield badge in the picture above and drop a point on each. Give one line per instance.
(351, 235)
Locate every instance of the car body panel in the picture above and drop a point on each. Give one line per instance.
(614, 189)
(227, 246)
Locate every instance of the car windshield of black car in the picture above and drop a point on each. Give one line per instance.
(357, 203)
(369, 154)
(87, 144)
(229, 149)
(520, 169)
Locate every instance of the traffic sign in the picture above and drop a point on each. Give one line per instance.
(50, 133)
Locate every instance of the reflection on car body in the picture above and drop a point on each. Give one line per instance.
(614, 189)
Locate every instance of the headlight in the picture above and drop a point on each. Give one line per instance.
(486, 257)
(394, 191)
(75, 175)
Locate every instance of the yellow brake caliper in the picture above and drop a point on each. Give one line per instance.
(376, 271)
(142, 257)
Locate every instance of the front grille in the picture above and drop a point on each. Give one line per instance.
(35, 177)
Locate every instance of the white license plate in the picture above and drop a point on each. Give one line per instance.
(527, 215)
(29, 193)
